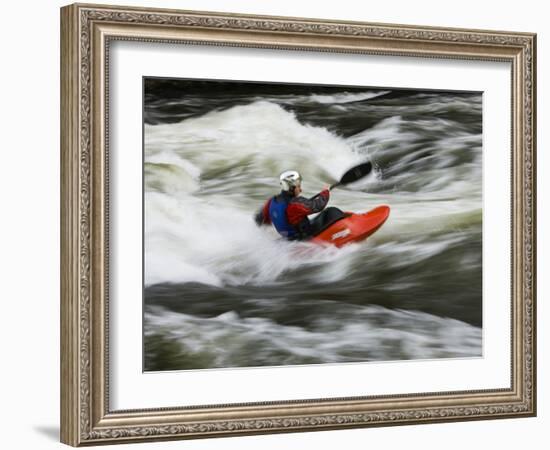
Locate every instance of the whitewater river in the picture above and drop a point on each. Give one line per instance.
(221, 292)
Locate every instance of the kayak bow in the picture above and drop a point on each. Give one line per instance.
(353, 228)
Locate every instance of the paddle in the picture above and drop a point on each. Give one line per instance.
(354, 174)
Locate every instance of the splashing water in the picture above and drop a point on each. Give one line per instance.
(208, 266)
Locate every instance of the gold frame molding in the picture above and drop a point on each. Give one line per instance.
(86, 31)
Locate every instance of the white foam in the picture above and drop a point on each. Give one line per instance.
(199, 214)
(358, 333)
(346, 97)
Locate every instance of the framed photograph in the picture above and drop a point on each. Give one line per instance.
(275, 224)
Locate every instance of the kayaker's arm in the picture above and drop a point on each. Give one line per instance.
(262, 216)
(301, 207)
(318, 202)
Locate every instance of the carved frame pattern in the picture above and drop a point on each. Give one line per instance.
(86, 418)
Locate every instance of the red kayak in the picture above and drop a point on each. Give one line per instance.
(353, 228)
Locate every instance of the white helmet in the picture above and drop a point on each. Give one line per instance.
(289, 180)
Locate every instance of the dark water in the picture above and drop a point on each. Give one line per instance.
(221, 292)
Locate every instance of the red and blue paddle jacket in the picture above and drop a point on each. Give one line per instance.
(288, 214)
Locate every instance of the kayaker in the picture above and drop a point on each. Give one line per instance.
(288, 211)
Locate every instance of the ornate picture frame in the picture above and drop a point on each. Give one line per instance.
(87, 31)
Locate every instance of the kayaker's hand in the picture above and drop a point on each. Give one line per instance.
(327, 187)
